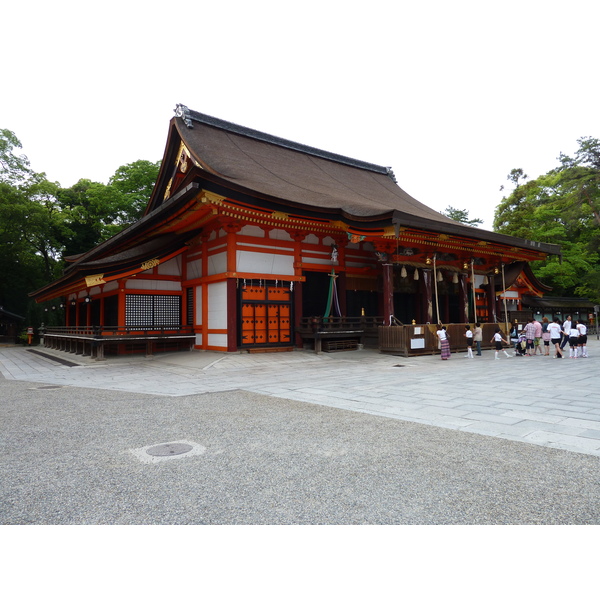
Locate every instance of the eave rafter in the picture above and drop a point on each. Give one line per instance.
(462, 246)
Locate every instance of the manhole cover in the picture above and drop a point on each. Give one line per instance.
(169, 449)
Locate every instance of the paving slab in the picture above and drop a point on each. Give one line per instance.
(525, 399)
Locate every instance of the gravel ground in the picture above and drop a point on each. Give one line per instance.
(66, 458)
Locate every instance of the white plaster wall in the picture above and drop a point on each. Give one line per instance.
(253, 231)
(311, 238)
(326, 260)
(217, 263)
(152, 285)
(262, 262)
(217, 305)
(110, 286)
(194, 269)
(217, 339)
(171, 267)
(280, 234)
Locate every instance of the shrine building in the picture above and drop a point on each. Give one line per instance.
(253, 242)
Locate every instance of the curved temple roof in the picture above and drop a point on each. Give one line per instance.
(259, 164)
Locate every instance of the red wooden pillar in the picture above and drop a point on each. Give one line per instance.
(491, 298)
(388, 294)
(232, 315)
(464, 297)
(427, 295)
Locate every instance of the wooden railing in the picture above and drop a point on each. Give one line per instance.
(92, 340)
(414, 340)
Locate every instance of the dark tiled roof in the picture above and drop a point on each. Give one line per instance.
(303, 176)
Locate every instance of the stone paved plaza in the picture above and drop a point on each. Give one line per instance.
(298, 438)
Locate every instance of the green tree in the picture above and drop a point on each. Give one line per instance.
(462, 216)
(28, 252)
(135, 181)
(41, 222)
(561, 207)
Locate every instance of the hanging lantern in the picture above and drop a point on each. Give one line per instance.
(403, 272)
(416, 275)
(439, 276)
(428, 261)
(455, 278)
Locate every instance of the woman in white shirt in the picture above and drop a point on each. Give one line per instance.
(444, 342)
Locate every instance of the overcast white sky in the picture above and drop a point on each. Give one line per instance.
(451, 95)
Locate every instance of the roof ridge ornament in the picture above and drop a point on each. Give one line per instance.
(390, 173)
(181, 110)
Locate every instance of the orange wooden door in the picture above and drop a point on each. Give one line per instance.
(265, 316)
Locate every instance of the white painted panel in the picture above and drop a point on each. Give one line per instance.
(317, 261)
(194, 269)
(217, 263)
(253, 231)
(152, 285)
(217, 339)
(198, 341)
(171, 267)
(261, 262)
(217, 305)
(110, 286)
(280, 234)
(311, 239)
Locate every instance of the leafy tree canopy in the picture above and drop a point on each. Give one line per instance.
(41, 222)
(560, 207)
(462, 216)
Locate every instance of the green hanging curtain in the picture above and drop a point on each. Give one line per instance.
(332, 299)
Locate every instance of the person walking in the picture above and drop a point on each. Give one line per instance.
(582, 328)
(566, 330)
(469, 336)
(444, 342)
(530, 337)
(573, 342)
(546, 336)
(538, 337)
(497, 340)
(555, 333)
(478, 337)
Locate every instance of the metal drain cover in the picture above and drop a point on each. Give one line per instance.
(169, 449)
(173, 450)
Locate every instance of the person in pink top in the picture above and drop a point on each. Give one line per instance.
(538, 336)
